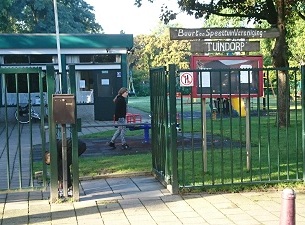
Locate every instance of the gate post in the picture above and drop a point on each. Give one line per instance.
(173, 128)
(52, 136)
(75, 166)
(303, 114)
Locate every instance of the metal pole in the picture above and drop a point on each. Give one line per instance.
(303, 114)
(64, 160)
(248, 139)
(204, 135)
(58, 44)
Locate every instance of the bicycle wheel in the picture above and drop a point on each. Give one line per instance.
(22, 117)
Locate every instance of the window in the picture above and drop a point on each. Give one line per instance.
(23, 83)
(109, 58)
(16, 59)
(87, 77)
(41, 59)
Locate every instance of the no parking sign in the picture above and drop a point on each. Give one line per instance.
(186, 79)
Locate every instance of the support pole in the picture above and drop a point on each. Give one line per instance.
(204, 136)
(64, 160)
(58, 44)
(288, 207)
(146, 133)
(248, 134)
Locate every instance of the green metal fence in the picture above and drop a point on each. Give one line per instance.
(231, 138)
(23, 109)
(26, 106)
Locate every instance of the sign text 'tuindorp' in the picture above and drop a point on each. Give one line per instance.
(225, 46)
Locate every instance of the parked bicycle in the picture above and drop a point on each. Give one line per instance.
(25, 113)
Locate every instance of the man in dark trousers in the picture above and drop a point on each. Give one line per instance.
(81, 149)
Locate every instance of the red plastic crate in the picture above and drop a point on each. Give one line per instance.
(133, 118)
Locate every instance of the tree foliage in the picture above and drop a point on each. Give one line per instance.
(275, 13)
(157, 49)
(37, 16)
(154, 50)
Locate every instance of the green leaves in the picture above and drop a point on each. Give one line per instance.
(37, 16)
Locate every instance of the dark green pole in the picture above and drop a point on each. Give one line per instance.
(75, 166)
(52, 135)
(303, 114)
(173, 128)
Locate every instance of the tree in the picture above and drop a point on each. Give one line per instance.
(275, 12)
(37, 16)
(296, 42)
(156, 50)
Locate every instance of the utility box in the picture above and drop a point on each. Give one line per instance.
(64, 108)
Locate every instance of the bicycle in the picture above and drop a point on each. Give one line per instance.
(23, 115)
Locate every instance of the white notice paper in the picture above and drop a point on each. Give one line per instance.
(104, 81)
(205, 79)
(246, 76)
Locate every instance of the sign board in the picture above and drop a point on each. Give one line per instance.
(186, 79)
(227, 76)
(221, 33)
(225, 46)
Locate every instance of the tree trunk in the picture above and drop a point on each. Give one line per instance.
(280, 60)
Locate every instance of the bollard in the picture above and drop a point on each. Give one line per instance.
(288, 207)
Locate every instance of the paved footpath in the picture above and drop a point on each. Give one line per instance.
(143, 200)
(131, 200)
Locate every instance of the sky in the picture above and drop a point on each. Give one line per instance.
(117, 15)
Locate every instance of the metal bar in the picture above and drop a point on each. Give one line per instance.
(42, 127)
(75, 158)
(248, 133)
(303, 115)
(64, 160)
(52, 136)
(8, 169)
(268, 126)
(173, 129)
(19, 133)
(31, 131)
(204, 136)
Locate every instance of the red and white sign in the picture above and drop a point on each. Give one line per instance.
(186, 79)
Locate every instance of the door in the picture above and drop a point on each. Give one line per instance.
(106, 86)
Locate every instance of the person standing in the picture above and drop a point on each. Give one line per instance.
(120, 116)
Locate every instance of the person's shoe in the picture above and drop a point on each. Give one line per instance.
(111, 144)
(125, 147)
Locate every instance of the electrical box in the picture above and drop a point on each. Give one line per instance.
(64, 108)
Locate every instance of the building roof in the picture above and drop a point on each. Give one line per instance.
(67, 41)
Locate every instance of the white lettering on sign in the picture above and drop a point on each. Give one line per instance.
(218, 46)
(211, 33)
(186, 79)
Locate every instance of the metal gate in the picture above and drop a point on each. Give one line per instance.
(163, 123)
(22, 143)
(227, 140)
(28, 125)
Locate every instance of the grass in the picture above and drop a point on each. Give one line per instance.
(276, 154)
(115, 165)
